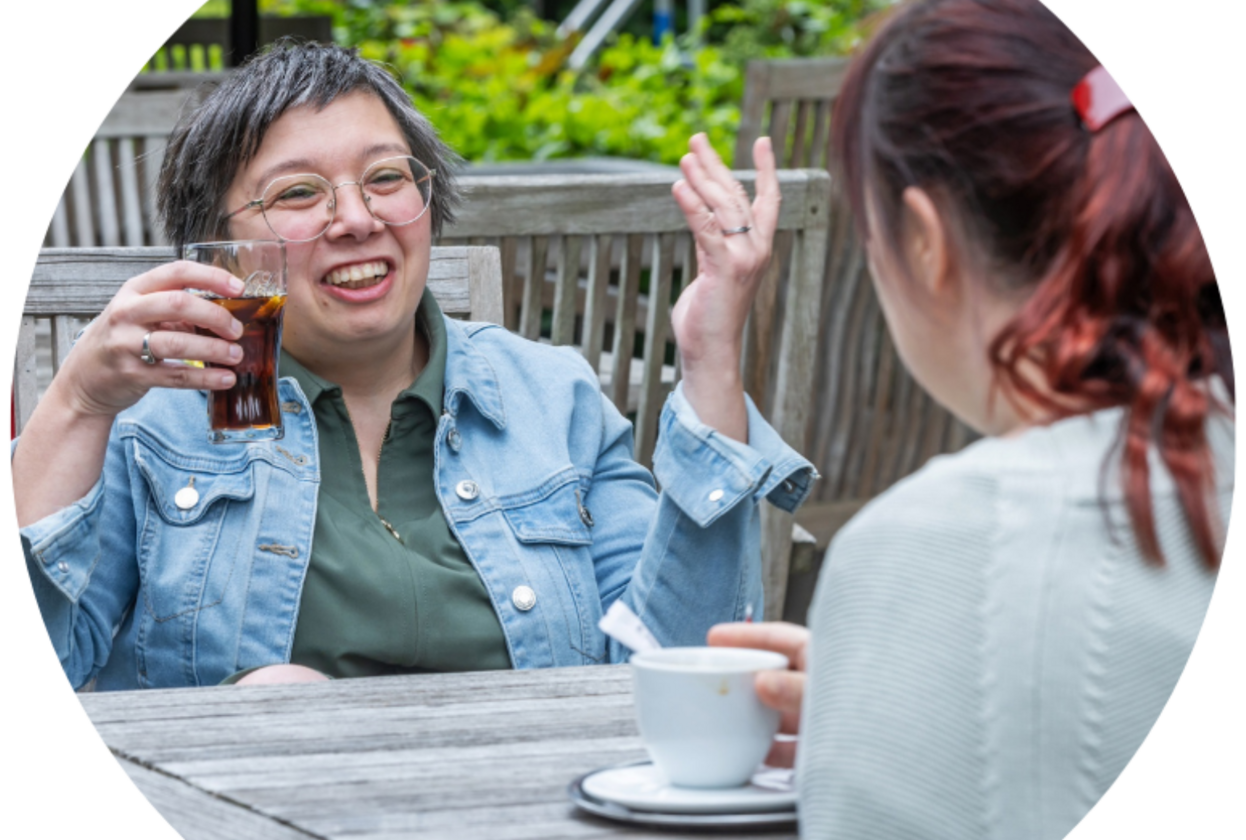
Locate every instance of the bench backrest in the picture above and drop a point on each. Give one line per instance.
(875, 424)
(71, 285)
(596, 261)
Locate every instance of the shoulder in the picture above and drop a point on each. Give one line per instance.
(521, 364)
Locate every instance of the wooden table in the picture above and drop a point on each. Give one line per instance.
(451, 756)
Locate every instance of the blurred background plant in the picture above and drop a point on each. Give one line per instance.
(494, 77)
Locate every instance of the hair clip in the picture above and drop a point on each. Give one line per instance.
(1098, 99)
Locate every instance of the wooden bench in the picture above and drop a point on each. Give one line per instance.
(875, 424)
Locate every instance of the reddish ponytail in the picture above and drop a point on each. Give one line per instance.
(969, 99)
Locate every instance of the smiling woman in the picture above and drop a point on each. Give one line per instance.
(447, 496)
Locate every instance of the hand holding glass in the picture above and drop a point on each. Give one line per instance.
(251, 409)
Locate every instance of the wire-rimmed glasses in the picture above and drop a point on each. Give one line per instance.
(300, 208)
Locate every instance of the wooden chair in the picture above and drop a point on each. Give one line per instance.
(596, 261)
(74, 284)
(873, 424)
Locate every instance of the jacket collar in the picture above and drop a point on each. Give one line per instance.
(469, 373)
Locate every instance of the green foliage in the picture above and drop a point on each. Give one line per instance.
(501, 89)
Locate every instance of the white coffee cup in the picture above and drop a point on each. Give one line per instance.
(699, 715)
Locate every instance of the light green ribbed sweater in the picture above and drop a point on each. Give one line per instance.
(988, 652)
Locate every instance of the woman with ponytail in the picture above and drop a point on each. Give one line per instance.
(993, 638)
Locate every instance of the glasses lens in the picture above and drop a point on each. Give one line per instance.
(298, 207)
(398, 189)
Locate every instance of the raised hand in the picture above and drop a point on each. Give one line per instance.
(733, 241)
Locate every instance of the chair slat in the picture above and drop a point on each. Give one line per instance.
(105, 194)
(534, 286)
(566, 285)
(652, 393)
(58, 231)
(821, 130)
(25, 373)
(625, 321)
(80, 187)
(780, 115)
(153, 157)
(131, 200)
(593, 330)
(64, 328)
(512, 285)
(800, 137)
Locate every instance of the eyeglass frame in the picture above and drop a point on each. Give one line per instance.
(259, 202)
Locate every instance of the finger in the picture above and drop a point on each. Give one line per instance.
(728, 208)
(766, 205)
(184, 274)
(779, 636)
(717, 170)
(703, 224)
(782, 754)
(177, 375)
(200, 348)
(178, 306)
(781, 690)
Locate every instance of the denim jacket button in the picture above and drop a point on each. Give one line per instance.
(186, 498)
(523, 598)
(467, 490)
(789, 486)
(455, 440)
(716, 495)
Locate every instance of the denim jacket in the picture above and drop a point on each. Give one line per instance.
(534, 471)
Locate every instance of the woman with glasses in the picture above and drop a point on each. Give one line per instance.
(447, 496)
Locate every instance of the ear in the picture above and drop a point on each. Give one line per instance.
(927, 248)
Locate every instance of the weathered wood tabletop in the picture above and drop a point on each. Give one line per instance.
(431, 756)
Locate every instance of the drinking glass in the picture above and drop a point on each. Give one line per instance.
(251, 410)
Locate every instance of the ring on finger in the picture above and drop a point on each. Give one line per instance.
(733, 231)
(146, 355)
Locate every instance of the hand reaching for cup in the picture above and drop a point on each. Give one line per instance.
(781, 690)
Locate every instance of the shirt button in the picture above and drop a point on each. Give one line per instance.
(467, 490)
(716, 495)
(64, 567)
(789, 486)
(455, 440)
(523, 598)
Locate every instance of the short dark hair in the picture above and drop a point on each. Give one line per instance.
(212, 141)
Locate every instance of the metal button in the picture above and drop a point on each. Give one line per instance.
(523, 598)
(455, 440)
(716, 495)
(64, 567)
(467, 490)
(789, 486)
(186, 498)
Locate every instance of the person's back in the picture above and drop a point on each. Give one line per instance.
(990, 646)
(994, 637)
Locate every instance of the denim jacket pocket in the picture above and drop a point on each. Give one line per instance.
(553, 512)
(186, 550)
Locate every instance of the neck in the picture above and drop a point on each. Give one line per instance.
(366, 369)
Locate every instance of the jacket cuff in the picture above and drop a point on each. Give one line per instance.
(63, 545)
(707, 473)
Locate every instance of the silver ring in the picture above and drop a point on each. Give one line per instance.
(733, 231)
(147, 356)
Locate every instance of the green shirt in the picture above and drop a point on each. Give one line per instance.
(396, 598)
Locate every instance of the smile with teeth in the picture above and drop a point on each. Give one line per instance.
(358, 276)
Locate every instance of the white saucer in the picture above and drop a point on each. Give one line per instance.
(642, 787)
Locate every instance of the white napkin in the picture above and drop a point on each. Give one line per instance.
(626, 628)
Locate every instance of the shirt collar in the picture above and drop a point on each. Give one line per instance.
(428, 387)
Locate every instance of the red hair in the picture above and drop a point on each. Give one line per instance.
(970, 100)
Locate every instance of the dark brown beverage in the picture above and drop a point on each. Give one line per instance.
(252, 403)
